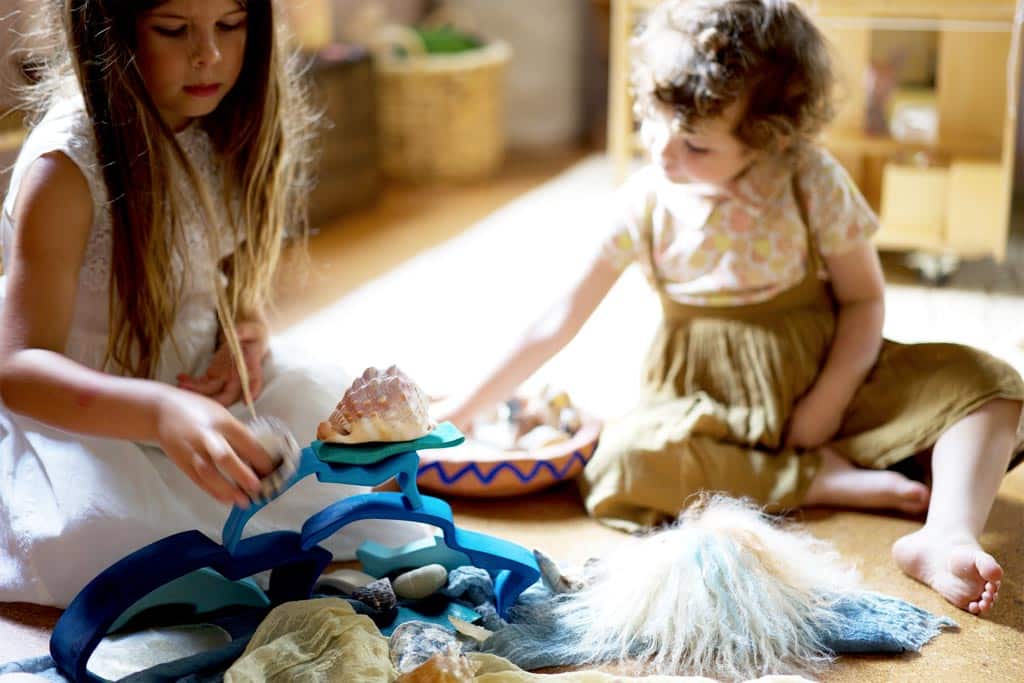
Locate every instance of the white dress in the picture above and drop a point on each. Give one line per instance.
(71, 505)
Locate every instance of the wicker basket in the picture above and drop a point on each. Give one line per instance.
(442, 116)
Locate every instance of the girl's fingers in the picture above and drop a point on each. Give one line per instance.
(221, 381)
(250, 331)
(208, 385)
(255, 383)
(254, 364)
(248, 448)
(223, 457)
(211, 480)
(230, 392)
(187, 460)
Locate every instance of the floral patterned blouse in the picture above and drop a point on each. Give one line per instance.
(741, 244)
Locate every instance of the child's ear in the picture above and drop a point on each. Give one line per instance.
(786, 143)
(751, 153)
(783, 144)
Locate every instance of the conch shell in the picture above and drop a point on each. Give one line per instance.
(379, 406)
(449, 666)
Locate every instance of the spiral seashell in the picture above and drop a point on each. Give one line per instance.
(379, 406)
(379, 595)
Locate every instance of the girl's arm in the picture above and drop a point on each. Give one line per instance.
(53, 218)
(859, 287)
(546, 337)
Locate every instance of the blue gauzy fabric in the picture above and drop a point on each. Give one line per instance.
(864, 622)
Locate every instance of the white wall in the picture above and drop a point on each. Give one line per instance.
(401, 11)
(545, 80)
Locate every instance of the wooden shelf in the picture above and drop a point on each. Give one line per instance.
(968, 10)
(916, 24)
(857, 142)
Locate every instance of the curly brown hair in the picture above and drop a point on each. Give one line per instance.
(701, 56)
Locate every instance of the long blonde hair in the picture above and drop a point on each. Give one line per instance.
(262, 131)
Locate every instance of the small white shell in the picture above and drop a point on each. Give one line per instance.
(414, 642)
(277, 440)
(554, 578)
(421, 582)
(472, 631)
(379, 406)
(540, 437)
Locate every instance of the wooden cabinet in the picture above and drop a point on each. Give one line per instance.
(946, 193)
(977, 204)
(913, 207)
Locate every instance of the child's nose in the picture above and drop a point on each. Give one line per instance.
(205, 51)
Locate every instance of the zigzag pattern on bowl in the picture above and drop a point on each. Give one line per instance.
(473, 468)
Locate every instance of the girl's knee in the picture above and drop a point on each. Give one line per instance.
(1004, 410)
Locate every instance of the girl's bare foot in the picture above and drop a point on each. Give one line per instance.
(839, 483)
(954, 566)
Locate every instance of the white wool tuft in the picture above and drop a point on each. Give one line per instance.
(728, 592)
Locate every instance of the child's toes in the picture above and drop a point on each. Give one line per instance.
(987, 566)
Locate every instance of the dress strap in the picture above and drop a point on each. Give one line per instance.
(814, 259)
(646, 250)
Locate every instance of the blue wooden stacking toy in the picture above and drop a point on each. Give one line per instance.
(191, 568)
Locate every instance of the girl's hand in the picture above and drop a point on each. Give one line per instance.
(448, 410)
(207, 443)
(814, 421)
(221, 381)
